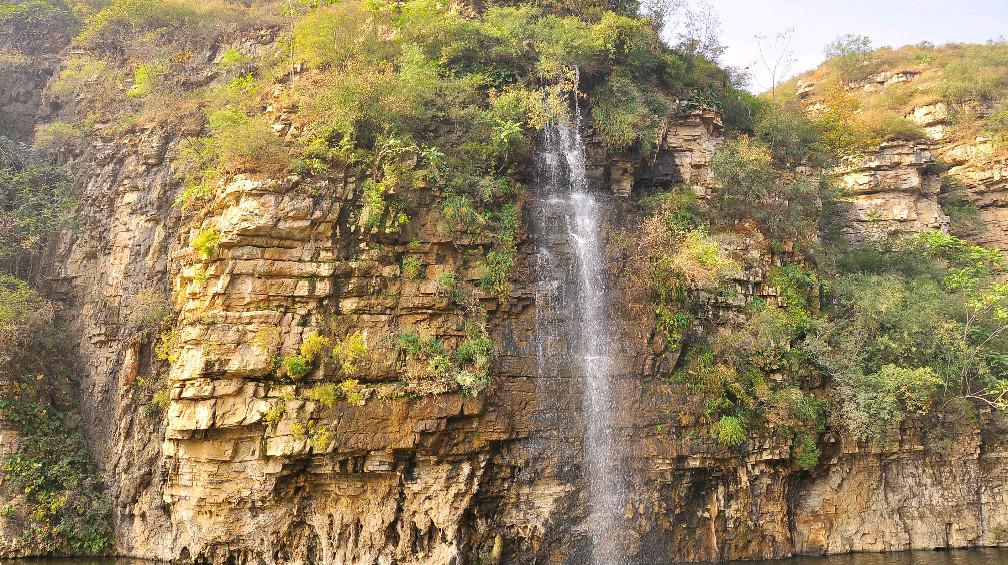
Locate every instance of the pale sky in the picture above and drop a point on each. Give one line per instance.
(818, 22)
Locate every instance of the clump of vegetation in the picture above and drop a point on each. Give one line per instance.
(352, 392)
(36, 198)
(496, 268)
(671, 258)
(294, 367)
(24, 316)
(68, 510)
(350, 351)
(166, 348)
(327, 394)
(312, 345)
(851, 56)
(412, 267)
(914, 322)
(431, 366)
(276, 412)
(205, 243)
(144, 78)
(729, 431)
(240, 142)
(753, 186)
(148, 312)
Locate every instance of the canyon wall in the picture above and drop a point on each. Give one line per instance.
(231, 471)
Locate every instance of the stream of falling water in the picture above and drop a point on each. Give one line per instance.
(565, 184)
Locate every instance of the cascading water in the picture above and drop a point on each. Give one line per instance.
(574, 211)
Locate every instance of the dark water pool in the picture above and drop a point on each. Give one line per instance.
(958, 557)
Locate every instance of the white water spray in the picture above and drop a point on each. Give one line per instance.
(565, 186)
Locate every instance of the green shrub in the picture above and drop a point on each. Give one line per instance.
(161, 399)
(625, 115)
(205, 243)
(148, 311)
(413, 344)
(198, 161)
(447, 285)
(295, 366)
(312, 345)
(58, 135)
(325, 394)
(806, 451)
(785, 204)
(459, 215)
(244, 142)
(24, 316)
(412, 267)
(964, 217)
(350, 388)
(321, 438)
(276, 412)
(68, 510)
(350, 351)
(851, 56)
(873, 401)
(475, 350)
(729, 431)
(232, 59)
(378, 207)
(144, 78)
(36, 198)
(167, 346)
(496, 277)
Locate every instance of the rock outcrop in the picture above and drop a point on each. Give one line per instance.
(894, 189)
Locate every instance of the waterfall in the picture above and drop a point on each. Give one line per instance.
(567, 200)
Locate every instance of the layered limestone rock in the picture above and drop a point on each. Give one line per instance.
(905, 183)
(979, 175)
(896, 188)
(934, 491)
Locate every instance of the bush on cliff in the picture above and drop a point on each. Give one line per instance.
(67, 511)
(913, 323)
(35, 201)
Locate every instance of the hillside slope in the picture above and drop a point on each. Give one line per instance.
(950, 101)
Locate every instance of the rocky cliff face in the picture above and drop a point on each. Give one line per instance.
(232, 471)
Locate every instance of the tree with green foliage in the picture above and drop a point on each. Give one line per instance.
(850, 54)
(752, 187)
(35, 201)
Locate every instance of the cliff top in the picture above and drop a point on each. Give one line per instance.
(906, 92)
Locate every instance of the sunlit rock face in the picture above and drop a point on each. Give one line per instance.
(895, 189)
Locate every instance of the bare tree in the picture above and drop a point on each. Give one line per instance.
(662, 12)
(699, 33)
(776, 55)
